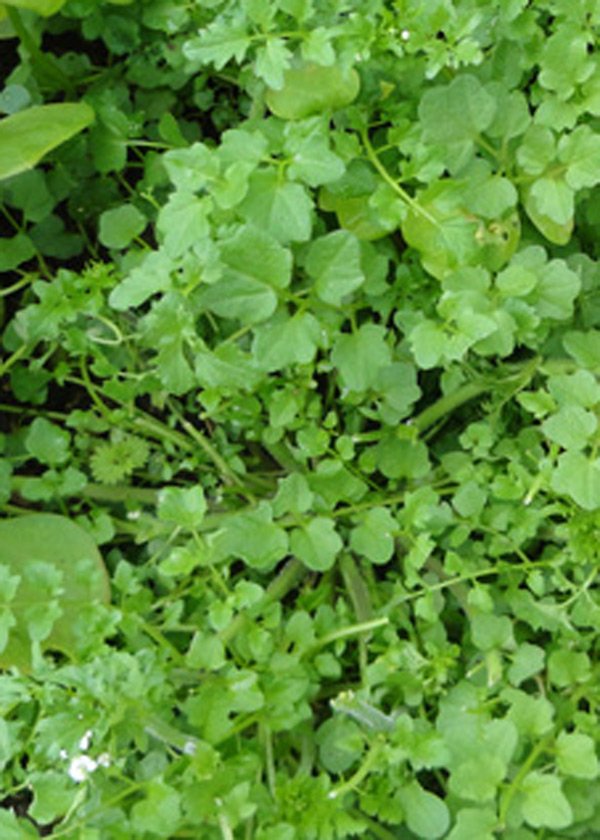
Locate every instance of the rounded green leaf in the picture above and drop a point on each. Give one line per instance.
(427, 815)
(317, 544)
(545, 803)
(27, 136)
(312, 89)
(120, 225)
(60, 571)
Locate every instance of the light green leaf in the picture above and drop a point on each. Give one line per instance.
(490, 631)
(291, 341)
(456, 112)
(557, 232)
(537, 150)
(553, 198)
(516, 281)
(252, 536)
(398, 458)
(254, 254)
(272, 60)
(527, 661)
(576, 755)
(584, 347)
(428, 343)
(578, 477)
(48, 443)
(474, 823)
(182, 222)
(313, 89)
(427, 815)
(545, 803)
(184, 506)
(43, 549)
(374, 536)
(469, 499)
(227, 367)
(571, 427)
(12, 828)
(282, 209)
(119, 226)
(341, 744)
(333, 262)
(316, 544)
(581, 151)
(241, 297)
(159, 811)
(151, 276)
(218, 43)
(478, 778)
(360, 356)
(568, 667)
(579, 388)
(53, 794)
(192, 168)
(25, 137)
(447, 236)
(205, 652)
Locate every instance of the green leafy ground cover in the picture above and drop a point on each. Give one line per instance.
(299, 461)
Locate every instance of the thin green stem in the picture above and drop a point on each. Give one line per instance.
(104, 493)
(13, 358)
(228, 475)
(362, 772)
(378, 830)
(480, 573)
(448, 403)
(24, 281)
(406, 198)
(267, 737)
(483, 143)
(516, 783)
(351, 630)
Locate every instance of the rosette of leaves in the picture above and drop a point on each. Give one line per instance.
(116, 459)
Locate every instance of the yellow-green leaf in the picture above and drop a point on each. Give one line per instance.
(25, 137)
(42, 7)
(313, 89)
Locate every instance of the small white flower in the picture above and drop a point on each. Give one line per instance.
(189, 748)
(85, 741)
(134, 514)
(80, 767)
(103, 760)
(405, 34)
(63, 754)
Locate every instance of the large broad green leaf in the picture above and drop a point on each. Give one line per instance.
(42, 7)
(55, 571)
(313, 89)
(27, 136)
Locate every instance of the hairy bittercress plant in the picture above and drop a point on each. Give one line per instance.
(303, 340)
